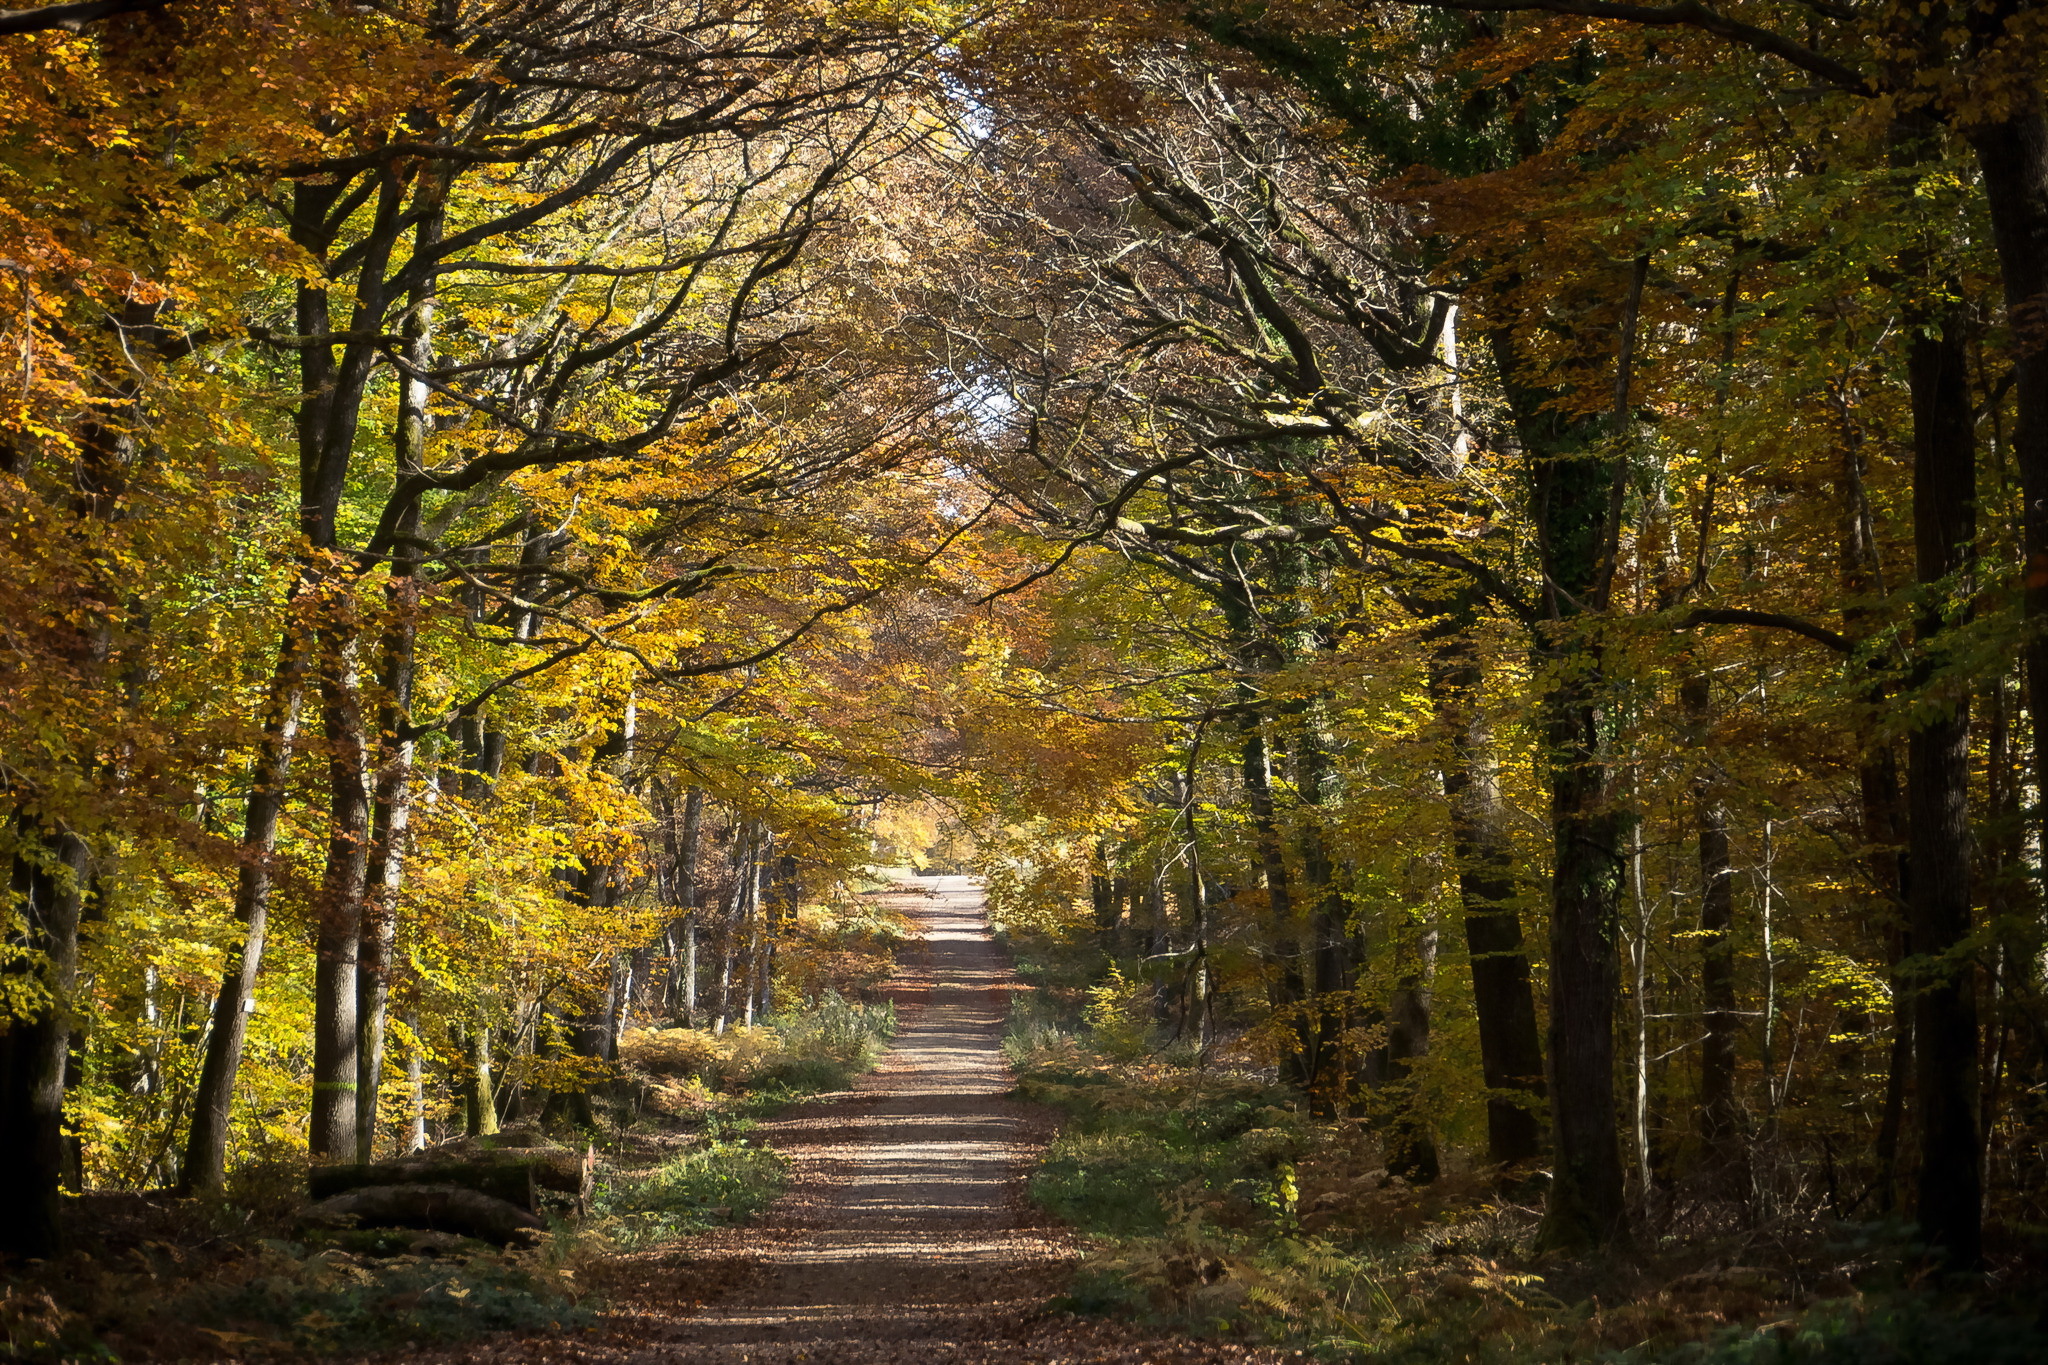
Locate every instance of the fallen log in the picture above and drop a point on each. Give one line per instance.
(515, 1175)
(438, 1208)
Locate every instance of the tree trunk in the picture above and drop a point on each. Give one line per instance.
(338, 926)
(328, 418)
(1937, 800)
(1579, 485)
(1586, 1207)
(1881, 805)
(416, 1085)
(1575, 488)
(480, 1102)
(786, 895)
(730, 924)
(1720, 1116)
(1107, 896)
(1329, 1002)
(683, 930)
(394, 741)
(1288, 990)
(206, 1146)
(49, 895)
(1411, 1151)
(2012, 156)
(379, 938)
(1510, 1052)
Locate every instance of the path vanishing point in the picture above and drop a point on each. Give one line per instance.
(905, 1234)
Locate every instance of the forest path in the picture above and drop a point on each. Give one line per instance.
(905, 1233)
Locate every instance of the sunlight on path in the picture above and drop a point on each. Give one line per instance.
(905, 1234)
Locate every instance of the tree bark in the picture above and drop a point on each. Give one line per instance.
(480, 1102)
(2012, 157)
(206, 1145)
(1288, 990)
(49, 894)
(1510, 1051)
(684, 930)
(1586, 1207)
(449, 1207)
(1577, 487)
(380, 938)
(338, 925)
(394, 741)
(1937, 802)
(1720, 1116)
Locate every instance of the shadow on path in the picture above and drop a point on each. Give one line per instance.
(905, 1234)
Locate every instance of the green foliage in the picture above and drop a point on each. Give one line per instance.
(722, 1182)
(1211, 1205)
(836, 1029)
(1118, 1016)
(349, 1295)
(1912, 1330)
(814, 1047)
(333, 1303)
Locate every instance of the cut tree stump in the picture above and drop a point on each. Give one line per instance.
(439, 1208)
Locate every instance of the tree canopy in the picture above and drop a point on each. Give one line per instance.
(1488, 558)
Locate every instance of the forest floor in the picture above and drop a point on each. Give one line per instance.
(904, 1234)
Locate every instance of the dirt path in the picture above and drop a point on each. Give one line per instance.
(905, 1234)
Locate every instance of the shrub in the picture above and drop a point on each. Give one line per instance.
(818, 1046)
(723, 1182)
(1118, 1016)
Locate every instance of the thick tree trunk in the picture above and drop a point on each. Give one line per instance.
(1510, 1052)
(1288, 990)
(1937, 802)
(2012, 156)
(1576, 490)
(206, 1146)
(49, 895)
(338, 924)
(1579, 487)
(394, 741)
(1586, 1206)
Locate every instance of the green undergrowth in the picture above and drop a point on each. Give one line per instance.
(726, 1180)
(180, 1295)
(161, 1278)
(694, 1074)
(1213, 1204)
(720, 1085)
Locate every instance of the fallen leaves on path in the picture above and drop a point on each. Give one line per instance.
(905, 1234)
